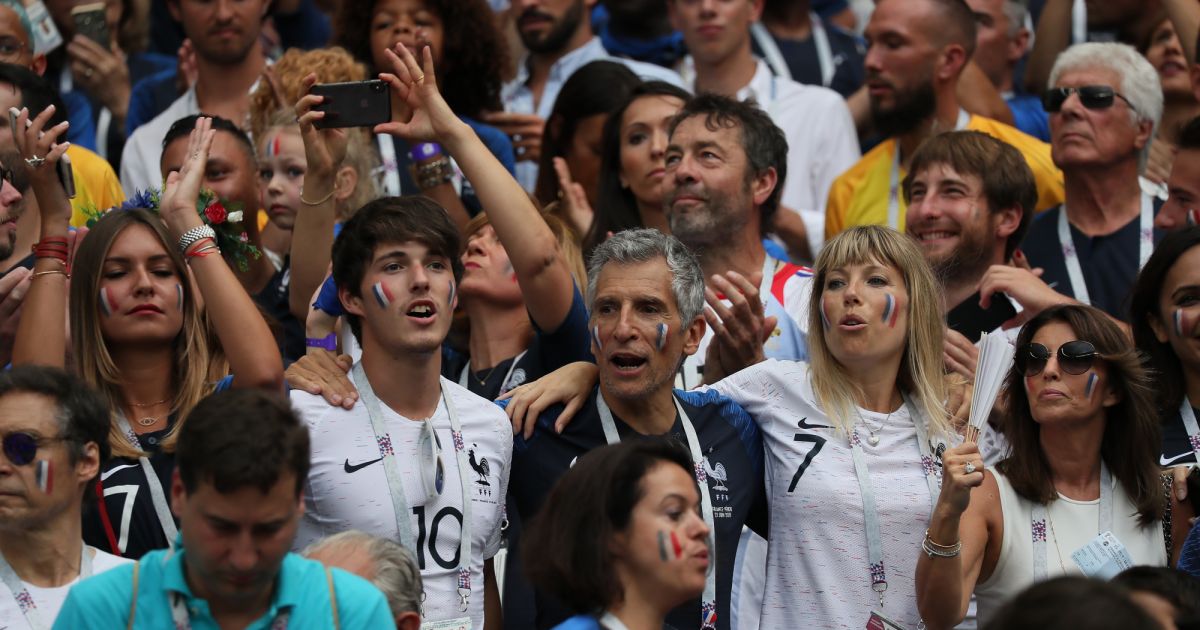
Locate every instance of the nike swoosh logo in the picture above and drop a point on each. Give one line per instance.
(1164, 461)
(356, 467)
(803, 424)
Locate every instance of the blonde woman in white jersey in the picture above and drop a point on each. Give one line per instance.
(1083, 439)
(870, 402)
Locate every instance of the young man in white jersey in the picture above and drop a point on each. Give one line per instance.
(55, 438)
(725, 168)
(422, 461)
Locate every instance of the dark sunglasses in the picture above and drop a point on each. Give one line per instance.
(1074, 357)
(20, 448)
(1090, 96)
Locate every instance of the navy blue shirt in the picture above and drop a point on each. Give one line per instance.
(1176, 448)
(1110, 263)
(733, 456)
(801, 57)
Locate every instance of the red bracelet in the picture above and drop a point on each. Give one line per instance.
(202, 252)
(198, 245)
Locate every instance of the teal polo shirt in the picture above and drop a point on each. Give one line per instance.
(103, 600)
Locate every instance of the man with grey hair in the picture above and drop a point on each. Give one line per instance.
(1001, 41)
(645, 298)
(386, 564)
(1104, 103)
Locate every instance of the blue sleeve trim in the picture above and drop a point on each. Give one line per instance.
(736, 416)
(327, 299)
(225, 384)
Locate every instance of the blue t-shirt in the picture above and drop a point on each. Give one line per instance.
(1110, 263)
(733, 457)
(302, 589)
(1029, 115)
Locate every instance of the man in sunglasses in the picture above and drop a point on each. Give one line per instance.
(1104, 104)
(54, 432)
(917, 50)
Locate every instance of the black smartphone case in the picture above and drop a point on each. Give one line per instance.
(354, 104)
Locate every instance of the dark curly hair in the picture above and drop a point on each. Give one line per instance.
(474, 55)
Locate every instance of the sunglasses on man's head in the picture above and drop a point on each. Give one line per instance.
(1090, 96)
(1074, 357)
(21, 448)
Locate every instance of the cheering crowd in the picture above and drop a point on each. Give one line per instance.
(599, 315)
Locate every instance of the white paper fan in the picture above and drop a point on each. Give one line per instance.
(995, 360)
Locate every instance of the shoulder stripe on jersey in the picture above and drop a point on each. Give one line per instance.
(732, 413)
(785, 273)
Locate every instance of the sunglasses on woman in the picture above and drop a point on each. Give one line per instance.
(1090, 96)
(21, 448)
(1074, 357)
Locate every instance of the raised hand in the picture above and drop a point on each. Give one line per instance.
(324, 149)
(102, 72)
(739, 329)
(573, 199)
(962, 470)
(178, 204)
(41, 150)
(416, 86)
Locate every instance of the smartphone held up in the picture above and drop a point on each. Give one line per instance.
(353, 104)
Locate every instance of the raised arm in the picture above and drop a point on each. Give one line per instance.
(945, 584)
(41, 333)
(1185, 17)
(249, 346)
(532, 248)
(1052, 37)
(312, 234)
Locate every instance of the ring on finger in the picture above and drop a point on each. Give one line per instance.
(969, 468)
(35, 161)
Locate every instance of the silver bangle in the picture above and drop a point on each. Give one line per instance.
(941, 551)
(197, 233)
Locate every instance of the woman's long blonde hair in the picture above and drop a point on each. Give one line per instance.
(921, 368)
(190, 379)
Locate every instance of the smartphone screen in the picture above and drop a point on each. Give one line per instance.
(91, 21)
(354, 104)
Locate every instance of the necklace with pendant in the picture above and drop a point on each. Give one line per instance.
(873, 432)
(147, 421)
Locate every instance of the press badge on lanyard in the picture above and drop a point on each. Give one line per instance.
(879, 622)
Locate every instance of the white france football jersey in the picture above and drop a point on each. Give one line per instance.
(348, 489)
(49, 600)
(817, 568)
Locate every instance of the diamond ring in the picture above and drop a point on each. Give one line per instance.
(969, 468)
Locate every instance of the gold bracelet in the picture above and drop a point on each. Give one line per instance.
(52, 272)
(319, 201)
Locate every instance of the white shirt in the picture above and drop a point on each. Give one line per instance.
(1075, 525)
(817, 575)
(518, 98)
(337, 500)
(49, 600)
(140, 168)
(822, 140)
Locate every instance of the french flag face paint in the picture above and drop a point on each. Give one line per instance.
(596, 337)
(663, 332)
(890, 312)
(662, 547)
(676, 546)
(1178, 317)
(45, 481)
(1091, 385)
(1193, 218)
(453, 293)
(108, 305)
(382, 295)
(824, 315)
(179, 297)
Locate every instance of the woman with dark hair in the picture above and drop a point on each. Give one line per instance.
(1081, 466)
(620, 537)
(574, 132)
(629, 187)
(1165, 317)
(470, 56)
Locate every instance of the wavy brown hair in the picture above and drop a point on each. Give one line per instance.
(1131, 434)
(474, 55)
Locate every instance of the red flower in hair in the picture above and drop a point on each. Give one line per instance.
(216, 212)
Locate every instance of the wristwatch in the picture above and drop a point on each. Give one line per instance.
(328, 342)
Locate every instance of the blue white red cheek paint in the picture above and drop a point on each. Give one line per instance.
(824, 315)
(662, 546)
(179, 297)
(596, 337)
(108, 305)
(1193, 218)
(1091, 385)
(1178, 317)
(382, 295)
(508, 269)
(890, 312)
(663, 332)
(453, 293)
(45, 481)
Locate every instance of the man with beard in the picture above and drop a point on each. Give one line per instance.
(558, 35)
(229, 61)
(916, 51)
(1001, 41)
(970, 200)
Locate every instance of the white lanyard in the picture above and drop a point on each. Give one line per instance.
(1037, 526)
(466, 371)
(893, 210)
(21, 594)
(1189, 423)
(391, 168)
(400, 503)
(157, 496)
(867, 490)
(1071, 255)
(708, 603)
(774, 56)
(609, 621)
